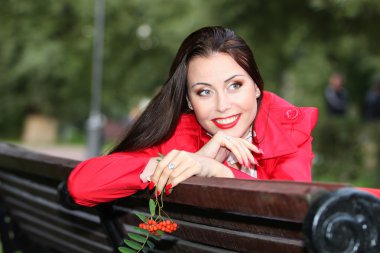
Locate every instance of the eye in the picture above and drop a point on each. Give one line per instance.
(235, 86)
(203, 92)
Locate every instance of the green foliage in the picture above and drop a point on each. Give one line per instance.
(46, 57)
(41, 65)
(152, 227)
(152, 207)
(347, 151)
(142, 217)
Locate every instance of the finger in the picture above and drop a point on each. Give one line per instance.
(234, 148)
(162, 165)
(245, 153)
(186, 173)
(174, 165)
(240, 147)
(252, 147)
(187, 164)
(212, 147)
(249, 156)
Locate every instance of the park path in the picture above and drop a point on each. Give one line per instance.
(76, 152)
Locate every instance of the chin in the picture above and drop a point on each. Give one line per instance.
(235, 133)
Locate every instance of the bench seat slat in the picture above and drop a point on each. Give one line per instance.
(27, 220)
(70, 223)
(35, 205)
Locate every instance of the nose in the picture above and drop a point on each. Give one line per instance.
(223, 103)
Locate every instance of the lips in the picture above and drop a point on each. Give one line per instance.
(226, 123)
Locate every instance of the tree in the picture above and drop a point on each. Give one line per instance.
(43, 58)
(46, 54)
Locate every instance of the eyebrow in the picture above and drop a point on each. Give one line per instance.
(225, 81)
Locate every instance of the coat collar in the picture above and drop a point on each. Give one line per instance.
(270, 134)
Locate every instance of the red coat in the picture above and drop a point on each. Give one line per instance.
(283, 133)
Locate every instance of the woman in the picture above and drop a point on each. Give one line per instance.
(211, 118)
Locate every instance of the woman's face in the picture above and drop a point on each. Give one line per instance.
(222, 94)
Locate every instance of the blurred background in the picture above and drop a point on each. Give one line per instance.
(55, 62)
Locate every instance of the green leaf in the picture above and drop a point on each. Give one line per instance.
(150, 244)
(138, 238)
(142, 231)
(142, 217)
(126, 250)
(152, 207)
(159, 232)
(155, 237)
(133, 244)
(161, 155)
(145, 250)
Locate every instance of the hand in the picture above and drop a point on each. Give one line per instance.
(222, 144)
(178, 166)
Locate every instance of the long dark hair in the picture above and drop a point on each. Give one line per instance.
(159, 120)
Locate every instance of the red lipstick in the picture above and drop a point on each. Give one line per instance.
(228, 125)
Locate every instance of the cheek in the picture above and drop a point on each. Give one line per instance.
(250, 106)
(201, 111)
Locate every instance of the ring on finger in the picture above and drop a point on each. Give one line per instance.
(171, 166)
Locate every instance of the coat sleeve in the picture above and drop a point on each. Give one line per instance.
(373, 191)
(106, 178)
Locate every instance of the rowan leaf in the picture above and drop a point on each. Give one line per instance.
(150, 244)
(142, 217)
(126, 250)
(137, 238)
(142, 231)
(159, 232)
(152, 207)
(155, 237)
(132, 244)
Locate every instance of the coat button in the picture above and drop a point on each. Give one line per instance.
(292, 113)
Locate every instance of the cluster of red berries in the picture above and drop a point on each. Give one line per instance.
(165, 226)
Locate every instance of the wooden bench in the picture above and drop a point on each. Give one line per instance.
(214, 215)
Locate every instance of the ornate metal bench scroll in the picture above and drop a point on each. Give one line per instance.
(345, 221)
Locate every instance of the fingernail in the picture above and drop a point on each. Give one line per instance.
(256, 162)
(168, 192)
(151, 185)
(261, 151)
(167, 189)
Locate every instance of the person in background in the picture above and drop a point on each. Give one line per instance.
(211, 118)
(372, 102)
(336, 96)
